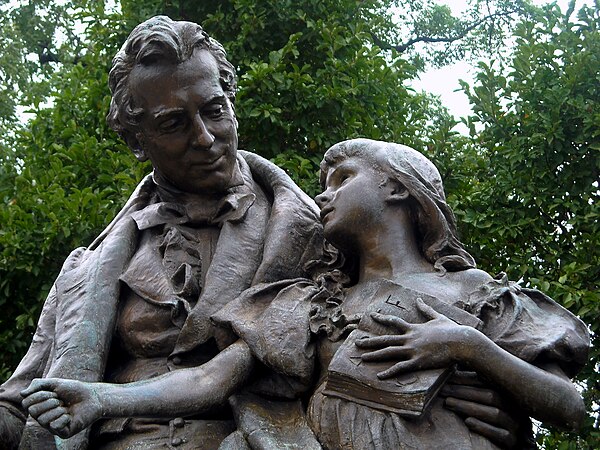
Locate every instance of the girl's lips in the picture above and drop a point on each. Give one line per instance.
(324, 212)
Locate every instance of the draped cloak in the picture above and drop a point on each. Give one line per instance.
(74, 332)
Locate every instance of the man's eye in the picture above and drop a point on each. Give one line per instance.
(214, 111)
(171, 124)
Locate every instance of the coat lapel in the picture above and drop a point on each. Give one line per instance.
(237, 257)
(87, 297)
(271, 244)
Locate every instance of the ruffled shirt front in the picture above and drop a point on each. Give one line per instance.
(164, 280)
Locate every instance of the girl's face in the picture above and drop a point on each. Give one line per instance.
(352, 204)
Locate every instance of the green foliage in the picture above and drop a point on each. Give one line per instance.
(62, 178)
(36, 39)
(430, 34)
(533, 210)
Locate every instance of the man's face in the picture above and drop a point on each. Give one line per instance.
(188, 129)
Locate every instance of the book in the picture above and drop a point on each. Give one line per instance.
(408, 394)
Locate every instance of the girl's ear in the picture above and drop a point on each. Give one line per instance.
(395, 192)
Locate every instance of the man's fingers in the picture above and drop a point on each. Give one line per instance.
(39, 384)
(392, 321)
(381, 341)
(466, 377)
(48, 417)
(387, 354)
(489, 414)
(472, 394)
(500, 436)
(60, 426)
(40, 408)
(61, 422)
(37, 397)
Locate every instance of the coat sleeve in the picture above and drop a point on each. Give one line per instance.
(273, 319)
(34, 363)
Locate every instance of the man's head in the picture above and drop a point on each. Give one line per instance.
(173, 92)
(159, 40)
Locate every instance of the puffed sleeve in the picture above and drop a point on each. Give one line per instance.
(273, 319)
(530, 325)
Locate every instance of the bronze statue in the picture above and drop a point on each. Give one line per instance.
(197, 319)
(209, 223)
(384, 207)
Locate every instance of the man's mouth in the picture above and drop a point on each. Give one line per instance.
(210, 163)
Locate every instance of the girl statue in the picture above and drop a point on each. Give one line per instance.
(384, 208)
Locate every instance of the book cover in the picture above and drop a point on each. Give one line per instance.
(408, 394)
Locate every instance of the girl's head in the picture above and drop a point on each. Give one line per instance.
(432, 218)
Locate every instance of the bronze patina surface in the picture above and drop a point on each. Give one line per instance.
(223, 309)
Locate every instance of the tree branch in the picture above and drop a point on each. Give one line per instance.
(401, 48)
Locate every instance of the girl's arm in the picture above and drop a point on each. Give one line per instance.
(67, 407)
(548, 395)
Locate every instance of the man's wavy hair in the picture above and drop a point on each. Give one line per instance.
(159, 40)
(433, 219)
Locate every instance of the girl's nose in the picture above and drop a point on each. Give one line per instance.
(322, 199)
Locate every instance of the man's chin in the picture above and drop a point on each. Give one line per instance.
(213, 185)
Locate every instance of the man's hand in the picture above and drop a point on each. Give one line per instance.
(64, 407)
(485, 411)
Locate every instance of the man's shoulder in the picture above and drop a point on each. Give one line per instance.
(276, 182)
(265, 172)
(141, 197)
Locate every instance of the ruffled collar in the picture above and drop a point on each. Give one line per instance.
(176, 207)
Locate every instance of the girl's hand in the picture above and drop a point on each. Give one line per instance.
(437, 343)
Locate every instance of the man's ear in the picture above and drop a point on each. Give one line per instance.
(135, 143)
(395, 192)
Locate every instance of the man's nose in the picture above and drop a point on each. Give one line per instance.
(202, 138)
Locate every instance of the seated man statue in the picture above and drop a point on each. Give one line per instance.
(207, 224)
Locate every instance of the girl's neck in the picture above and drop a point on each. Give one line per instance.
(392, 251)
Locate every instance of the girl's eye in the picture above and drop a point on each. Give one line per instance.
(343, 179)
